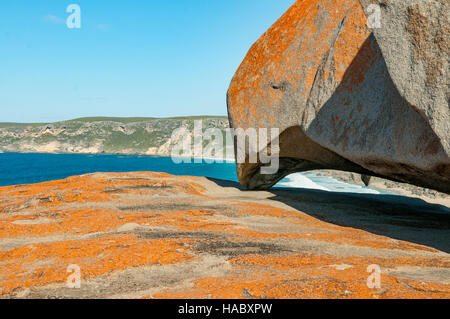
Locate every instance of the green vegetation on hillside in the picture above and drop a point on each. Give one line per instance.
(124, 120)
(101, 134)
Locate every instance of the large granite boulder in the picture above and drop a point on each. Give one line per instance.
(349, 97)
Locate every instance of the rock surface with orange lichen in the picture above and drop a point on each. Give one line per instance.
(153, 235)
(349, 97)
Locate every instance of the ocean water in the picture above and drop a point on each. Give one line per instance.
(16, 169)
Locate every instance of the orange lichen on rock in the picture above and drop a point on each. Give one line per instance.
(305, 276)
(162, 236)
(40, 264)
(333, 234)
(291, 52)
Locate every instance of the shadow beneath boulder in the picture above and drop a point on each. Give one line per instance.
(226, 184)
(399, 217)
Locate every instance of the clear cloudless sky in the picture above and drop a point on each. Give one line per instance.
(130, 58)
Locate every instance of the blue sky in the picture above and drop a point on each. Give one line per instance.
(130, 58)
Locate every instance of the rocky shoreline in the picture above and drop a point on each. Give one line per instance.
(429, 195)
(153, 235)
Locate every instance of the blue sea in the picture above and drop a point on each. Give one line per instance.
(18, 168)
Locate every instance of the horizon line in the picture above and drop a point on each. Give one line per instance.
(100, 118)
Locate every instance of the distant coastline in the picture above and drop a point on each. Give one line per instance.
(145, 137)
(224, 159)
(102, 135)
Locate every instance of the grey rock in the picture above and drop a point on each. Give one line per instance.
(351, 98)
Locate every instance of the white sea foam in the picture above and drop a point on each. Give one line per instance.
(300, 181)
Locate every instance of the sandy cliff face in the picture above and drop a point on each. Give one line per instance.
(146, 137)
(142, 235)
(348, 97)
